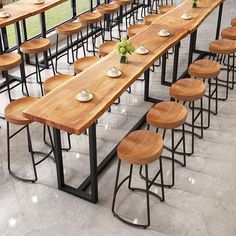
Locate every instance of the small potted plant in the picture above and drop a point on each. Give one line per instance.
(195, 3)
(124, 47)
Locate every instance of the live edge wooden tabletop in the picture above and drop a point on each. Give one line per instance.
(23, 9)
(61, 110)
(199, 14)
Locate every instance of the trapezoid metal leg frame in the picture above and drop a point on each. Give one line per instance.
(81, 191)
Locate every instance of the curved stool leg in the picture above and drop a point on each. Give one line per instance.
(9, 154)
(146, 190)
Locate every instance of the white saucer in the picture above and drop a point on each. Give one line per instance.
(114, 76)
(142, 53)
(37, 3)
(186, 18)
(164, 35)
(83, 99)
(7, 15)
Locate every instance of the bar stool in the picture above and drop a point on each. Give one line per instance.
(93, 22)
(84, 63)
(49, 85)
(149, 19)
(124, 11)
(55, 81)
(140, 147)
(189, 91)
(14, 115)
(229, 33)
(107, 47)
(233, 22)
(10, 61)
(68, 30)
(225, 49)
(207, 70)
(136, 29)
(169, 116)
(35, 47)
(110, 11)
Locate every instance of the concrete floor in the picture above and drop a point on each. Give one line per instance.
(201, 203)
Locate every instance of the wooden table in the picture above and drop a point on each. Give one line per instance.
(62, 111)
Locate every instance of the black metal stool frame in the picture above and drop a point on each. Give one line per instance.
(192, 125)
(30, 149)
(38, 70)
(229, 68)
(172, 158)
(146, 190)
(70, 47)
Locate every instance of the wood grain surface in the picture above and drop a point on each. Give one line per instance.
(61, 110)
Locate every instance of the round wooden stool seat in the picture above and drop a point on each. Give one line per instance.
(233, 22)
(140, 147)
(108, 8)
(223, 46)
(229, 33)
(204, 69)
(83, 63)
(135, 29)
(165, 9)
(187, 90)
(55, 81)
(167, 115)
(14, 111)
(69, 28)
(90, 17)
(9, 61)
(123, 2)
(35, 46)
(150, 18)
(107, 47)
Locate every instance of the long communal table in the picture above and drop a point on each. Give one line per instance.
(60, 110)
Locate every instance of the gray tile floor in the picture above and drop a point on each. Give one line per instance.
(201, 203)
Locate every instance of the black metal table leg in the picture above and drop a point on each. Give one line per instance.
(147, 98)
(192, 47)
(176, 63)
(93, 163)
(79, 192)
(58, 158)
(43, 34)
(25, 38)
(18, 43)
(163, 69)
(146, 84)
(219, 21)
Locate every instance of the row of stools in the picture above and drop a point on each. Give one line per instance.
(144, 147)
